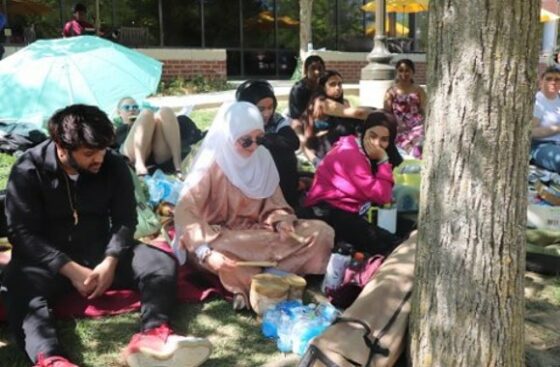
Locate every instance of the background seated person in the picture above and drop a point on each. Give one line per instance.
(545, 147)
(355, 174)
(279, 137)
(407, 101)
(302, 90)
(231, 208)
(78, 25)
(330, 116)
(146, 134)
(71, 216)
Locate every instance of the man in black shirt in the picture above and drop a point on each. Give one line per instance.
(71, 217)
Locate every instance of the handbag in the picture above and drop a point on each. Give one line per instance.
(148, 221)
(355, 279)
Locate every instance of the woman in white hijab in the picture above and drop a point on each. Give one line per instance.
(231, 208)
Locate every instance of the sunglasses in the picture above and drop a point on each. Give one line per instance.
(247, 141)
(129, 107)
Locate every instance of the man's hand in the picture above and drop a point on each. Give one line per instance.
(78, 275)
(102, 276)
(285, 229)
(220, 262)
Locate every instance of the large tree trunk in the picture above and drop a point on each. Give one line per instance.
(305, 36)
(468, 303)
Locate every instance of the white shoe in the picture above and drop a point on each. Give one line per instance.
(149, 350)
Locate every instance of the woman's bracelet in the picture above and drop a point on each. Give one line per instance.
(202, 253)
(384, 159)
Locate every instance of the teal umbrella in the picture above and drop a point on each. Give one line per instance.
(51, 74)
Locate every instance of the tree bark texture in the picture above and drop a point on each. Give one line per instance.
(468, 303)
(305, 35)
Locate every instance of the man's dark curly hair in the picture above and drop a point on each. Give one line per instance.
(81, 125)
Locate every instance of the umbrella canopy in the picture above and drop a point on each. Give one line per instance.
(401, 29)
(399, 6)
(51, 74)
(547, 16)
(265, 21)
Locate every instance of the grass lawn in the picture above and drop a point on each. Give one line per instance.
(236, 337)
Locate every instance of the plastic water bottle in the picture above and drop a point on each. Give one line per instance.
(327, 312)
(270, 323)
(284, 342)
(338, 263)
(305, 330)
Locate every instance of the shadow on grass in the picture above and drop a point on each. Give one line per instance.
(236, 337)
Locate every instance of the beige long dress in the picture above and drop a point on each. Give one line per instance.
(217, 213)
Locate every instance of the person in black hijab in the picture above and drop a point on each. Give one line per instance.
(280, 139)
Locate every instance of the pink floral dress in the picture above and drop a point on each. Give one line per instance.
(410, 128)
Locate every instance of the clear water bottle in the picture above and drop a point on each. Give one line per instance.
(334, 275)
(304, 330)
(270, 323)
(284, 342)
(327, 312)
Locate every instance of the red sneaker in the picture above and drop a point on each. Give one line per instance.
(53, 361)
(160, 347)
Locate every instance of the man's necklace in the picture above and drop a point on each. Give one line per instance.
(71, 201)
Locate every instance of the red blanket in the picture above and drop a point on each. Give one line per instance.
(192, 287)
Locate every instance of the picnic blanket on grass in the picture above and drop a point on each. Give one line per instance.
(192, 287)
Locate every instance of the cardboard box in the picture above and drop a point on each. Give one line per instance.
(543, 217)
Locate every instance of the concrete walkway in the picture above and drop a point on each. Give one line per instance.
(215, 99)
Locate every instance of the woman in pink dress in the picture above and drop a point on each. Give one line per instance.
(406, 101)
(232, 209)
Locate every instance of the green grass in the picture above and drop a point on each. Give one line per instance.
(6, 162)
(236, 337)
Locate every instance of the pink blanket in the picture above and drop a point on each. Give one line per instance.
(192, 287)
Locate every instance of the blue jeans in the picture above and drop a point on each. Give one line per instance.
(546, 154)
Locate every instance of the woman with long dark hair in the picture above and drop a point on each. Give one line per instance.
(329, 116)
(406, 100)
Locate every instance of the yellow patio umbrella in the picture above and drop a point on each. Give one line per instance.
(399, 6)
(547, 16)
(401, 29)
(265, 20)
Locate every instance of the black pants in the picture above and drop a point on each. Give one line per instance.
(30, 292)
(362, 235)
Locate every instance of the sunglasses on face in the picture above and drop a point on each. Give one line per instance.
(129, 107)
(247, 141)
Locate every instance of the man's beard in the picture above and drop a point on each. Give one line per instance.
(74, 164)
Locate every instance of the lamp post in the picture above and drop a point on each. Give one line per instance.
(377, 75)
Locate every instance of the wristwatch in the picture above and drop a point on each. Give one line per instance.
(202, 252)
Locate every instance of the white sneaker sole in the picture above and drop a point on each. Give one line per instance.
(181, 353)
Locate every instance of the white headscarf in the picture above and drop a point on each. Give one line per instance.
(256, 176)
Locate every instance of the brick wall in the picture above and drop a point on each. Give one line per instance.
(190, 68)
(188, 63)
